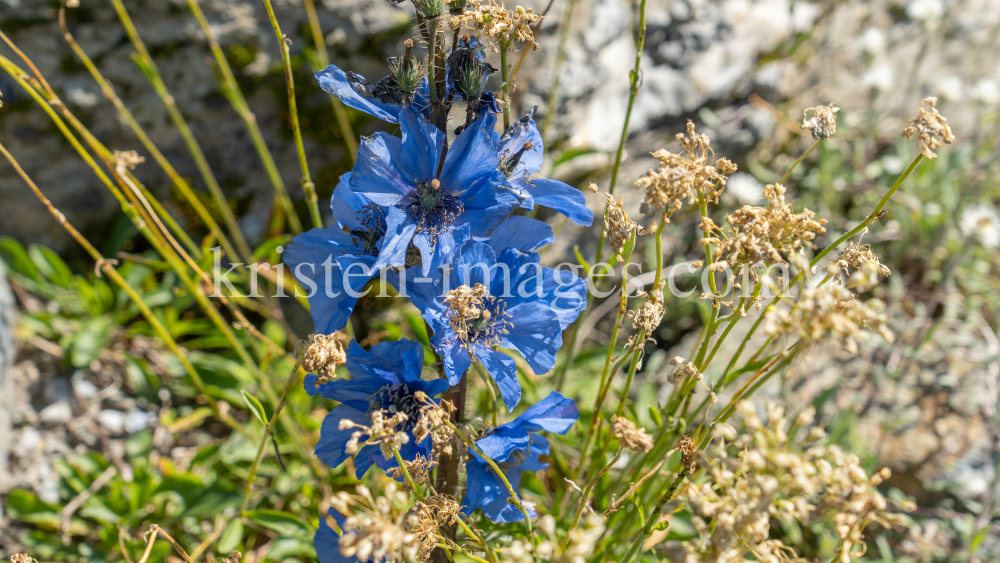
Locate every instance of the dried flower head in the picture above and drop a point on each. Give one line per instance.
(419, 469)
(386, 430)
(632, 437)
(687, 448)
(323, 355)
(127, 159)
(432, 420)
(694, 175)
(681, 370)
(771, 479)
(830, 308)
(822, 122)
(476, 315)
(618, 227)
(863, 265)
(22, 558)
(375, 527)
(760, 235)
(928, 126)
(648, 316)
(424, 521)
(502, 26)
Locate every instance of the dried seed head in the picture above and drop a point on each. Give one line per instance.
(694, 175)
(128, 159)
(22, 558)
(822, 122)
(761, 235)
(432, 420)
(323, 356)
(687, 448)
(419, 470)
(383, 431)
(618, 227)
(500, 25)
(424, 521)
(376, 529)
(681, 370)
(648, 316)
(927, 127)
(631, 436)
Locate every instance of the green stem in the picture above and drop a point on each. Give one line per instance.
(152, 72)
(788, 173)
(506, 85)
(307, 184)
(269, 431)
(323, 61)
(586, 496)
(231, 89)
(633, 91)
(478, 366)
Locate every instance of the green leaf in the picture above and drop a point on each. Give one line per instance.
(17, 258)
(654, 413)
(51, 265)
(753, 366)
(640, 510)
(205, 454)
(90, 340)
(660, 526)
(187, 485)
(232, 537)
(213, 501)
(583, 261)
(570, 155)
(282, 522)
(255, 407)
(419, 329)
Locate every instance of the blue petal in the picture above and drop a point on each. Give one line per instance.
(535, 333)
(555, 413)
(330, 447)
(315, 259)
(351, 392)
(449, 244)
(563, 198)
(334, 81)
(346, 204)
(501, 442)
(539, 447)
(474, 265)
(522, 131)
(422, 292)
(565, 293)
(376, 173)
(482, 486)
(502, 369)
(500, 510)
(454, 355)
(523, 233)
(399, 362)
(399, 229)
(472, 156)
(422, 145)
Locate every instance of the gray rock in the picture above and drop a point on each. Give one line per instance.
(57, 413)
(8, 313)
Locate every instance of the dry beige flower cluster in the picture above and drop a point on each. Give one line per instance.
(579, 547)
(760, 235)
(618, 226)
(822, 123)
(384, 431)
(681, 370)
(631, 436)
(419, 470)
(432, 420)
(927, 127)
(425, 519)
(829, 308)
(695, 176)
(22, 558)
(648, 316)
(470, 317)
(323, 356)
(864, 266)
(376, 527)
(770, 477)
(501, 26)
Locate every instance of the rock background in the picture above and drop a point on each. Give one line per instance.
(8, 317)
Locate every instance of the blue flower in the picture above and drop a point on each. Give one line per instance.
(429, 200)
(520, 150)
(334, 264)
(528, 306)
(385, 378)
(514, 447)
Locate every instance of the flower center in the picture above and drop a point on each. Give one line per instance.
(395, 398)
(371, 229)
(476, 316)
(434, 209)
